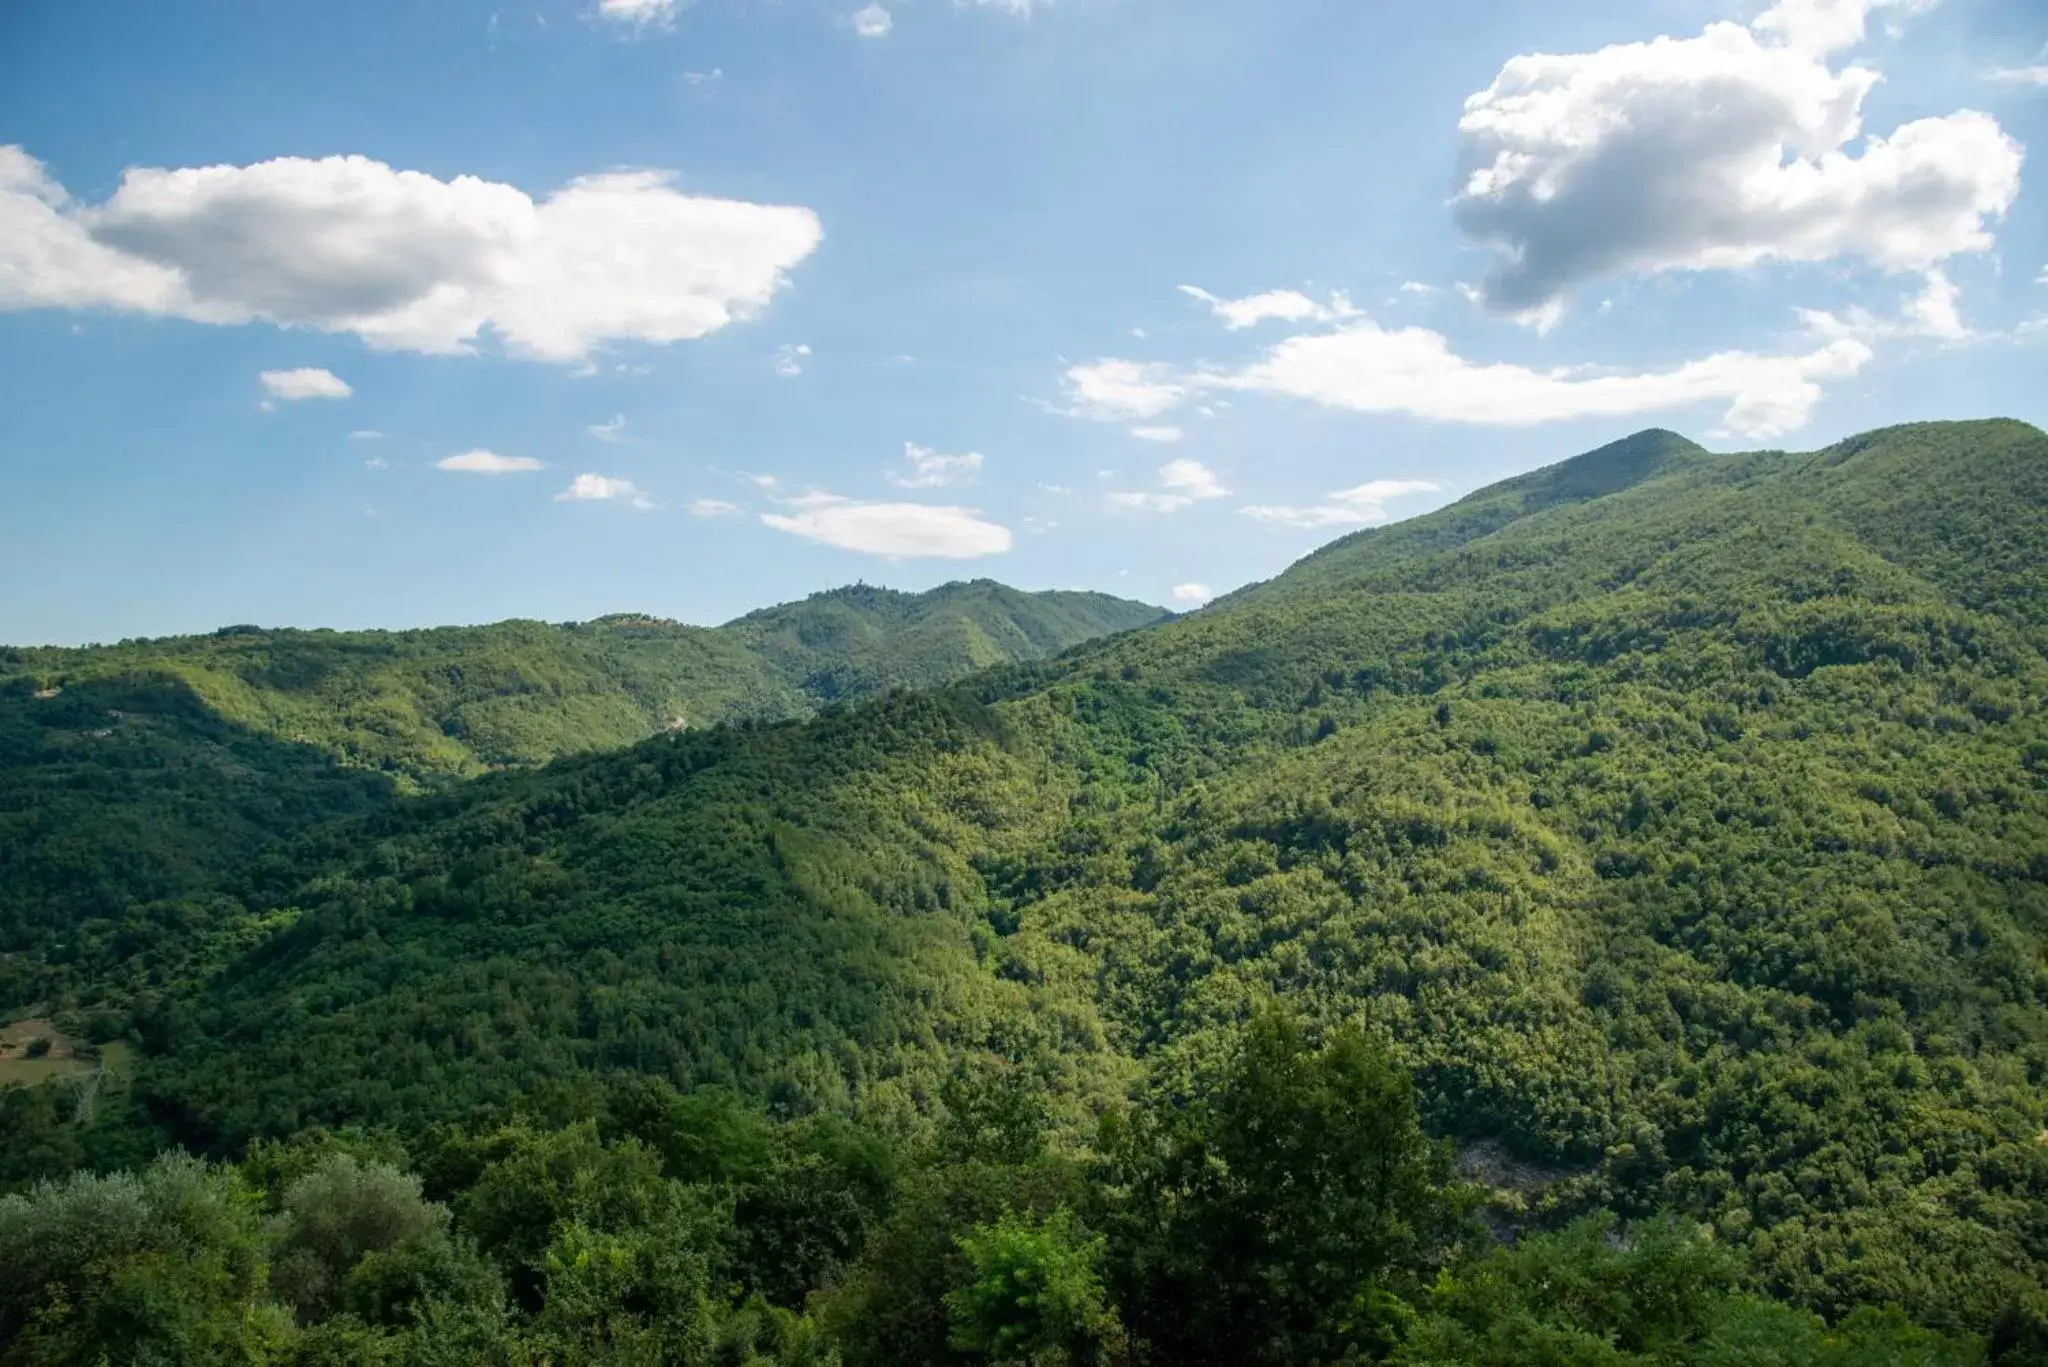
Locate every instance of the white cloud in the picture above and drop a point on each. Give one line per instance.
(931, 470)
(1192, 478)
(399, 258)
(1186, 483)
(1159, 434)
(2018, 75)
(639, 13)
(1930, 313)
(764, 481)
(604, 489)
(1824, 26)
(1361, 506)
(1366, 368)
(1285, 305)
(1151, 503)
(713, 507)
(1715, 153)
(894, 530)
(872, 22)
(376, 463)
(482, 462)
(611, 430)
(306, 382)
(789, 359)
(1124, 391)
(711, 77)
(1370, 369)
(1417, 287)
(366, 434)
(1192, 593)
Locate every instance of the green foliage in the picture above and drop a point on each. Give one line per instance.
(1593, 1295)
(341, 1213)
(1034, 1294)
(161, 1265)
(1280, 1220)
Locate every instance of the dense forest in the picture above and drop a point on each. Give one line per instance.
(138, 772)
(1604, 921)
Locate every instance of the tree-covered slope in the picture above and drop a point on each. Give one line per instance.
(858, 641)
(1677, 821)
(427, 705)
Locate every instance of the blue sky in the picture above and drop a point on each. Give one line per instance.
(403, 314)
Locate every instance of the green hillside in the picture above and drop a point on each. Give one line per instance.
(424, 706)
(1675, 825)
(135, 773)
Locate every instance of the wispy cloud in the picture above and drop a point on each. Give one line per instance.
(1192, 593)
(713, 507)
(1287, 306)
(2018, 75)
(610, 430)
(639, 14)
(789, 359)
(1184, 483)
(1125, 391)
(482, 462)
(1367, 368)
(1361, 506)
(931, 470)
(1933, 312)
(896, 531)
(1166, 435)
(306, 382)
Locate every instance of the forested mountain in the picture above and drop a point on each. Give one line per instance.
(427, 705)
(1668, 831)
(137, 772)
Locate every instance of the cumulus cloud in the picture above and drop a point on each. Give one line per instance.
(790, 358)
(400, 259)
(1192, 593)
(931, 470)
(1167, 435)
(604, 489)
(482, 462)
(872, 22)
(1285, 305)
(1824, 26)
(1713, 153)
(306, 382)
(1361, 506)
(713, 507)
(894, 530)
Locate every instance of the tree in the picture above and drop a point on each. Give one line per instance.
(1279, 1221)
(1034, 1295)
